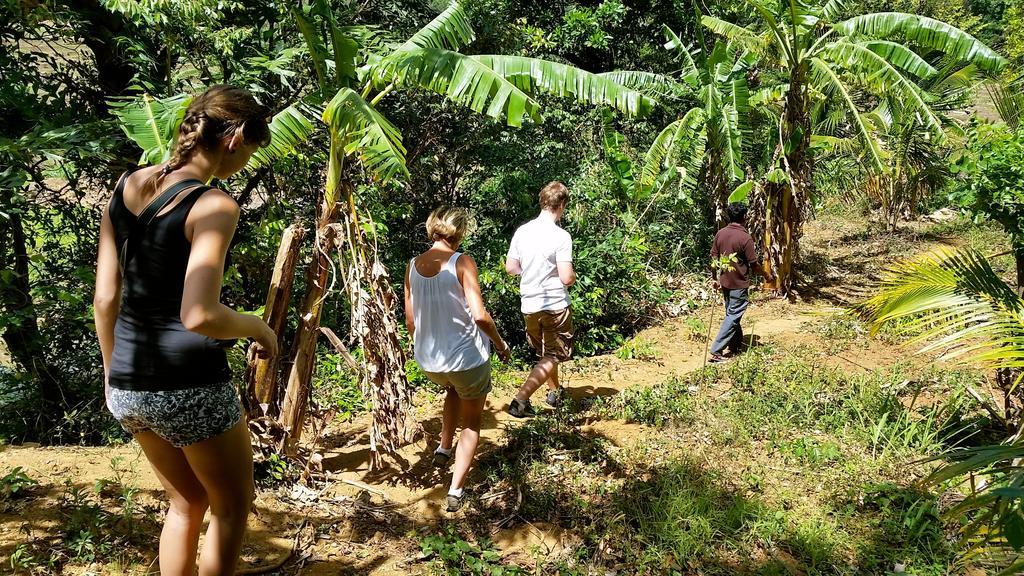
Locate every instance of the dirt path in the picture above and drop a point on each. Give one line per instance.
(362, 521)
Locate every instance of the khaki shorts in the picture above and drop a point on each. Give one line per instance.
(550, 333)
(468, 384)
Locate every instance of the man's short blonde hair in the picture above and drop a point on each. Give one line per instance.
(447, 223)
(554, 195)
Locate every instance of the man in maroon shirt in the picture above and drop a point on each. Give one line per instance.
(732, 279)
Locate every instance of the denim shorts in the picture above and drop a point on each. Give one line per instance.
(181, 417)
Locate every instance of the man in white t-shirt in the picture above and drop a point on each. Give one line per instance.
(541, 255)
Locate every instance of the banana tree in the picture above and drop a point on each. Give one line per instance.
(820, 56)
(705, 145)
(916, 163)
(959, 308)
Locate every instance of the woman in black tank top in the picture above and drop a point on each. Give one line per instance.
(162, 328)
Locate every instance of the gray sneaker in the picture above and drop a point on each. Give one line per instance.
(521, 409)
(556, 397)
(441, 459)
(455, 502)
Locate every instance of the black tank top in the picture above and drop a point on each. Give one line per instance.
(153, 351)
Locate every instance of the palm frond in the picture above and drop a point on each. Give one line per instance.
(649, 83)
(1009, 103)
(831, 85)
(929, 32)
(953, 301)
(288, 129)
(533, 75)
(834, 9)
(769, 95)
(314, 44)
(687, 66)
(835, 145)
(902, 57)
(463, 79)
(683, 139)
(738, 96)
(881, 76)
(735, 33)
(449, 30)
(365, 133)
(617, 159)
(152, 123)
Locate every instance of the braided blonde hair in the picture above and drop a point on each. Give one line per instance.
(219, 112)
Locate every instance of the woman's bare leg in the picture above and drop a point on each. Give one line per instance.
(179, 539)
(223, 464)
(469, 413)
(450, 418)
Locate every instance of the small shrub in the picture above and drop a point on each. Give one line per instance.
(696, 329)
(273, 471)
(812, 451)
(16, 484)
(638, 349)
(667, 402)
(337, 386)
(450, 554)
(840, 331)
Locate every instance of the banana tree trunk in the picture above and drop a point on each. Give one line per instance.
(300, 377)
(717, 184)
(375, 327)
(262, 388)
(785, 202)
(374, 323)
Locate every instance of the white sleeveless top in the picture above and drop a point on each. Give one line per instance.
(447, 338)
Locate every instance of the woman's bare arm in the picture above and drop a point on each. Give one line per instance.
(107, 298)
(212, 222)
(469, 278)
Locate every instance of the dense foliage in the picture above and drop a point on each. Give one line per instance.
(68, 65)
(993, 183)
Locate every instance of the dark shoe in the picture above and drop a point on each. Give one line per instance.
(455, 502)
(556, 398)
(717, 359)
(441, 459)
(521, 409)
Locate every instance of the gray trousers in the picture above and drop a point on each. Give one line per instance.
(731, 334)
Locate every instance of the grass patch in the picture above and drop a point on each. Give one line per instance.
(654, 405)
(788, 466)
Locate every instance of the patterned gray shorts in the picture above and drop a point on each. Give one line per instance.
(181, 417)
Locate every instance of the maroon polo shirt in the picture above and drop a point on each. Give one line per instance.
(734, 239)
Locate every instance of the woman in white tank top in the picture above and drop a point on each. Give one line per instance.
(452, 334)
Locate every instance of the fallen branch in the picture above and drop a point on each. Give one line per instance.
(362, 486)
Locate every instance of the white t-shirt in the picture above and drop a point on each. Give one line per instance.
(539, 245)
